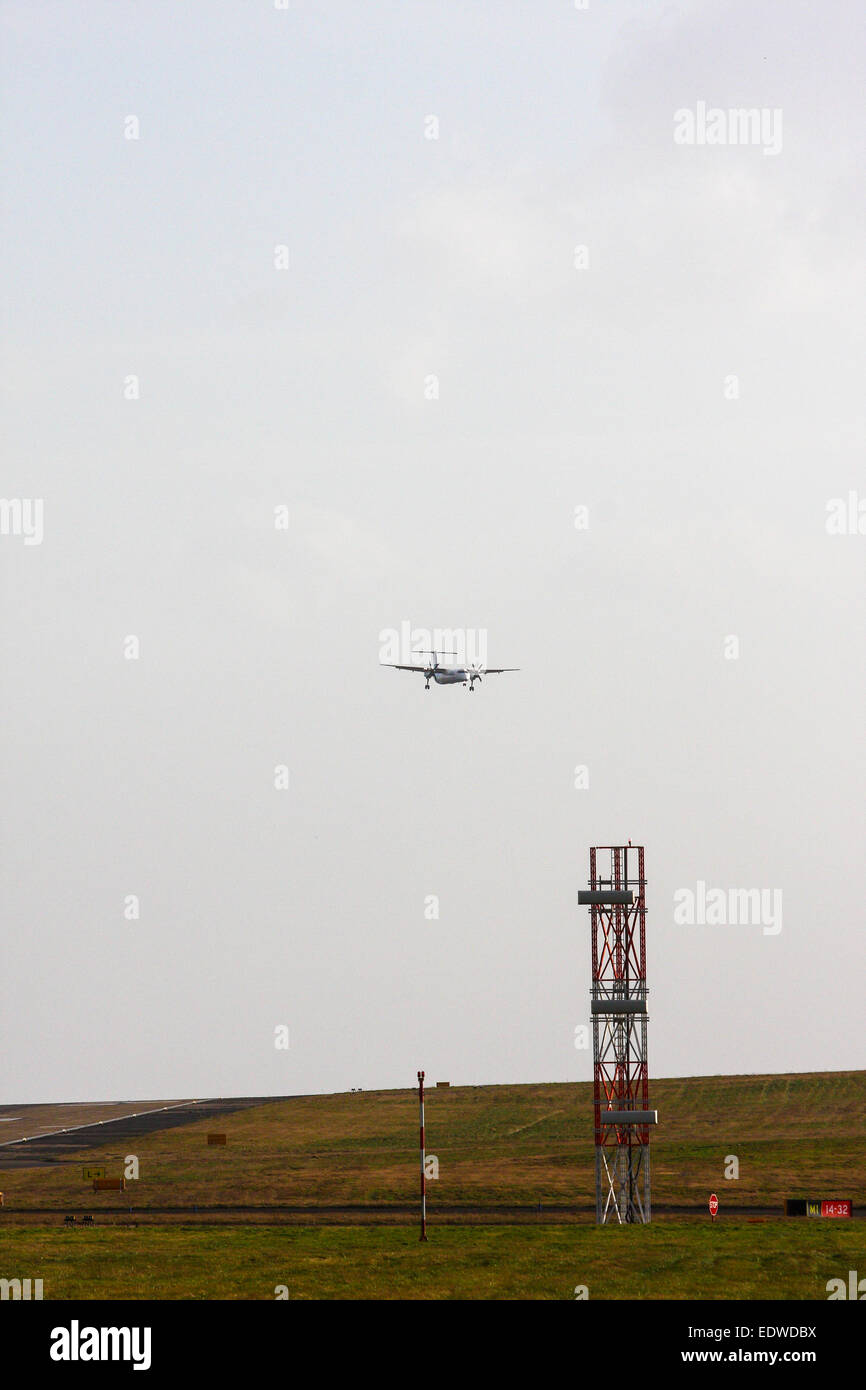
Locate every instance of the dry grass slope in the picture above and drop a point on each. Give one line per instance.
(793, 1135)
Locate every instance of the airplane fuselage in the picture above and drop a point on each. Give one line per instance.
(452, 675)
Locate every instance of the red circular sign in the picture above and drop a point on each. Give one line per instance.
(714, 1204)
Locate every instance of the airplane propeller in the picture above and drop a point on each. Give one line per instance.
(429, 670)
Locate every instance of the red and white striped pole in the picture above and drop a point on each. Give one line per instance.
(423, 1235)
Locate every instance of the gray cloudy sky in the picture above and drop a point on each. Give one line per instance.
(697, 385)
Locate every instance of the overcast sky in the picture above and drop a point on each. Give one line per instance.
(240, 243)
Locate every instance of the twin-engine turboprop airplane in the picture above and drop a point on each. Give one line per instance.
(450, 675)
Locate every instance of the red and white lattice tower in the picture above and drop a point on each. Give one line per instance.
(617, 903)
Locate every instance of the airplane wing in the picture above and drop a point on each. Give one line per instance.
(483, 670)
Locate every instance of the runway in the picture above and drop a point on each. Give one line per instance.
(31, 1137)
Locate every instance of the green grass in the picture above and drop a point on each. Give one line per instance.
(497, 1145)
(666, 1260)
(793, 1135)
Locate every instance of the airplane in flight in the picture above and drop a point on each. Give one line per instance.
(450, 675)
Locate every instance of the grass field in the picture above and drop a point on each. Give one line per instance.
(666, 1260)
(792, 1135)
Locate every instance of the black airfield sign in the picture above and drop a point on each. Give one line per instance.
(817, 1206)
